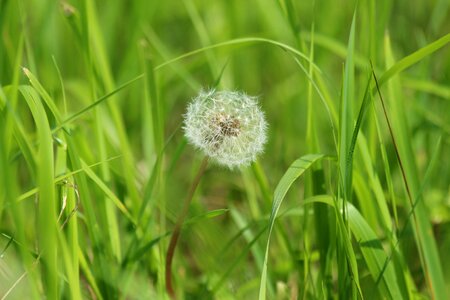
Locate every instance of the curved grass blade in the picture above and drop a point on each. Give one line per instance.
(43, 93)
(413, 58)
(240, 41)
(296, 169)
(47, 224)
(326, 101)
(406, 62)
(374, 254)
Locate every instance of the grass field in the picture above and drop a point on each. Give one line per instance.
(349, 200)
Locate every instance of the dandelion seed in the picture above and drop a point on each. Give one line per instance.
(229, 127)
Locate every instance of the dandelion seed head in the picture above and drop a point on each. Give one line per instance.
(227, 126)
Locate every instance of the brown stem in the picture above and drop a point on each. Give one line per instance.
(177, 229)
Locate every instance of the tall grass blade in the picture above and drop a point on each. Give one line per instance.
(296, 169)
(400, 135)
(406, 62)
(48, 234)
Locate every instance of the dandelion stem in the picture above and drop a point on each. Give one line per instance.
(177, 230)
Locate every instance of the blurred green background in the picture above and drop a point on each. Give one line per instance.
(114, 241)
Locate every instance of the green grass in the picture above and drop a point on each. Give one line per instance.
(350, 199)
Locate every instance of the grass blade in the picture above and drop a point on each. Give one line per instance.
(47, 215)
(296, 169)
(413, 58)
(400, 135)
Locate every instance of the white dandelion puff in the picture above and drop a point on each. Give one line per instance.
(229, 127)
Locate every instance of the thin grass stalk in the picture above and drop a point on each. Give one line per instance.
(178, 225)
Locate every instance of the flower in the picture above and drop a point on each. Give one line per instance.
(227, 126)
